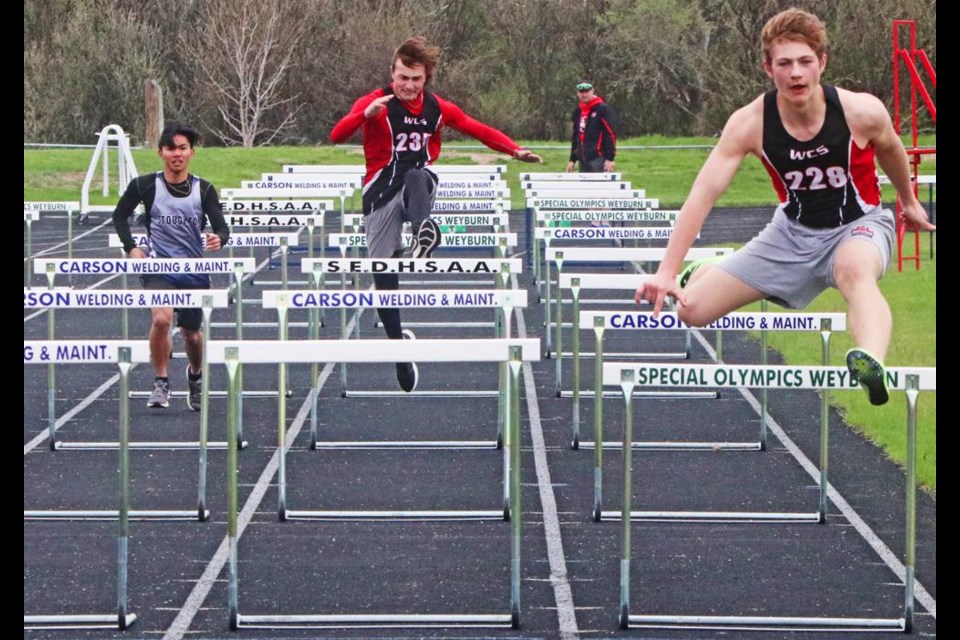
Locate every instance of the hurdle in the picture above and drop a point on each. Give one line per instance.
(143, 266)
(31, 214)
(629, 376)
(124, 354)
(763, 321)
(500, 268)
(112, 351)
(514, 352)
(562, 216)
(496, 221)
(603, 255)
(52, 299)
(439, 169)
(298, 214)
(504, 300)
(570, 177)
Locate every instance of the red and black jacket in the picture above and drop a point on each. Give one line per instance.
(594, 132)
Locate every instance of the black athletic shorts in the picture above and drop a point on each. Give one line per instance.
(190, 319)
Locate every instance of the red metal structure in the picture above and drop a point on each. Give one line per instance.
(913, 59)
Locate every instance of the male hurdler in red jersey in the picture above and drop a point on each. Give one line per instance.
(402, 134)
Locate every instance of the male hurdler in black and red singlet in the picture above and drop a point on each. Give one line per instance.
(818, 143)
(402, 126)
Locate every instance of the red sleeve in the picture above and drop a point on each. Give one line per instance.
(349, 123)
(456, 118)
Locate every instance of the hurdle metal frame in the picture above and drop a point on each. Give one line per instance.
(165, 265)
(555, 212)
(913, 380)
(827, 323)
(610, 255)
(125, 354)
(514, 352)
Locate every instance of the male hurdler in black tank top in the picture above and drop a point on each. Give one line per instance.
(824, 182)
(409, 135)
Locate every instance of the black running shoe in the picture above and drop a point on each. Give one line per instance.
(407, 373)
(194, 390)
(428, 239)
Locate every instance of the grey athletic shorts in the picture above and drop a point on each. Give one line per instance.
(384, 225)
(792, 263)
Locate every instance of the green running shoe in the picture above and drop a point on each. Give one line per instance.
(871, 375)
(684, 276)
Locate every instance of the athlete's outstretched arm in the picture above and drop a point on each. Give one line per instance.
(891, 156)
(496, 140)
(739, 137)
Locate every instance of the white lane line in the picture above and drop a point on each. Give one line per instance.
(889, 557)
(96, 393)
(566, 612)
(50, 250)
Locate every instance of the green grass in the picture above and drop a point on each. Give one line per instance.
(57, 174)
(912, 296)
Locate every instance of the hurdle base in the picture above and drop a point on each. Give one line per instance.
(439, 393)
(762, 623)
(247, 393)
(107, 516)
(141, 446)
(664, 355)
(758, 517)
(81, 621)
(676, 446)
(412, 445)
(638, 393)
(375, 621)
(394, 516)
(447, 325)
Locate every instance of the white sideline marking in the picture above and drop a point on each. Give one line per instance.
(889, 557)
(562, 594)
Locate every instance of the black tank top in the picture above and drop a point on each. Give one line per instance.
(827, 181)
(409, 135)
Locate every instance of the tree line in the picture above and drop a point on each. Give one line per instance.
(252, 72)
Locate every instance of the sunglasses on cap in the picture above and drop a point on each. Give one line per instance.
(584, 86)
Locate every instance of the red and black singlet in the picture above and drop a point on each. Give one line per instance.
(389, 154)
(827, 181)
(409, 147)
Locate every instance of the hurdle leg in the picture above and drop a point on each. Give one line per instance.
(598, 422)
(28, 263)
(910, 550)
(824, 433)
(233, 366)
(516, 357)
(51, 382)
(764, 360)
(124, 619)
(315, 279)
(282, 416)
(626, 384)
(204, 412)
(238, 398)
(575, 348)
(284, 252)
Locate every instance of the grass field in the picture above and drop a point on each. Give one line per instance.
(58, 174)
